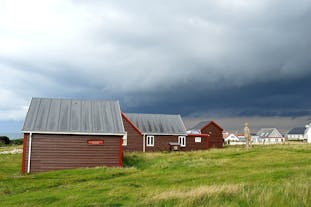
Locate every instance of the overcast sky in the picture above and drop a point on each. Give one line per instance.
(227, 60)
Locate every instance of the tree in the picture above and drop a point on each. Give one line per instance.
(4, 140)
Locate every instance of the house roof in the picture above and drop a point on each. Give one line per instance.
(297, 130)
(231, 136)
(225, 135)
(158, 124)
(268, 132)
(72, 116)
(202, 124)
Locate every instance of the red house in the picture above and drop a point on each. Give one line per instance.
(159, 132)
(67, 133)
(211, 128)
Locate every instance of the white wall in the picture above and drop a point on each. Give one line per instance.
(308, 133)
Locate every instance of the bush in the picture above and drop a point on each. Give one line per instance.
(17, 141)
(4, 140)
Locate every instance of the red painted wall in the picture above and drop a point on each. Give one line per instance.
(215, 139)
(54, 152)
(134, 138)
(161, 143)
(192, 145)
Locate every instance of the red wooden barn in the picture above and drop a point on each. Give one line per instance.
(64, 133)
(159, 132)
(213, 130)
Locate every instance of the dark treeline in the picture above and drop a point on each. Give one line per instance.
(4, 140)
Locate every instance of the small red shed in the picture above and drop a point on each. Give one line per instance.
(68, 133)
(213, 130)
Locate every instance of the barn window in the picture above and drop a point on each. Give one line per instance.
(150, 141)
(197, 139)
(182, 141)
(124, 140)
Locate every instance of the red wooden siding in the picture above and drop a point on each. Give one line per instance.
(53, 152)
(192, 145)
(134, 138)
(161, 143)
(215, 139)
(120, 153)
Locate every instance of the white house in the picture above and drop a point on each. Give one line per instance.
(296, 134)
(270, 136)
(308, 133)
(231, 139)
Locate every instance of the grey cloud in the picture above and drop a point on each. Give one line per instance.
(160, 56)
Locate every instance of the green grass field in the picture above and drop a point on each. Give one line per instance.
(263, 176)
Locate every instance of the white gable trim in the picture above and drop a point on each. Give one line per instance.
(29, 153)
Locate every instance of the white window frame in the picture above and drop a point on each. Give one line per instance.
(124, 140)
(197, 139)
(180, 142)
(150, 141)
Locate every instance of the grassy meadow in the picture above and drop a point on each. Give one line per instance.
(278, 175)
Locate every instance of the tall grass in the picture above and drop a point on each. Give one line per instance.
(278, 175)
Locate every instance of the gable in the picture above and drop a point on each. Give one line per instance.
(131, 124)
(275, 133)
(269, 132)
(212, 123)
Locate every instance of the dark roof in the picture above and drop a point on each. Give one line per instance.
(158, 123)
(73, 116)
(297, 130)
(202, 124)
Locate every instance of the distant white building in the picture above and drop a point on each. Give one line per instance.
(270, 136)
(256, 139)
(231, 139)
(296, 134)
(307, 134)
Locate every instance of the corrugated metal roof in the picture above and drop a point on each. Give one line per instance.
(297, 130)
(158, 123)
(268, 132)
(200, 125)
(73, 116)
(265, 132)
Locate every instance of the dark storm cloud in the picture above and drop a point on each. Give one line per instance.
(198, 58)
(277, 98)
